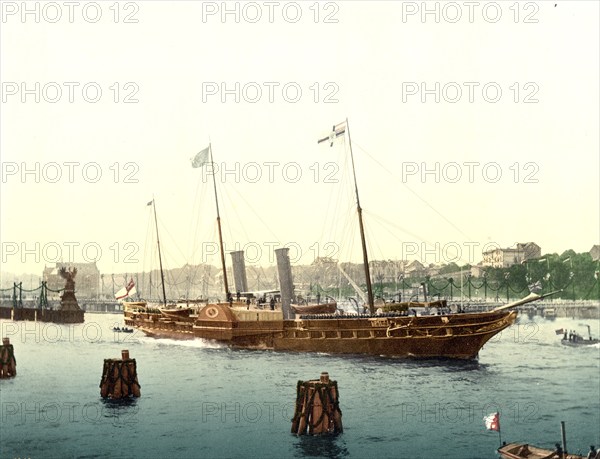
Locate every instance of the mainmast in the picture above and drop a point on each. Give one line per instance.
(219, 226)
(362, 230)
(162, 274)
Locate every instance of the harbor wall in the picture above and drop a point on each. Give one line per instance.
(42, 315)
(85, 304)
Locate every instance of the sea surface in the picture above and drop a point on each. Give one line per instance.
(203, 400)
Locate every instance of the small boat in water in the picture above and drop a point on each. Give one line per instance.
(524, 450)
(572, 338)
(122, 330)
(579, 341)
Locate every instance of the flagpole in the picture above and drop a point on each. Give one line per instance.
(499, 434)
(362, 230)
(162, 275)
(219, 225)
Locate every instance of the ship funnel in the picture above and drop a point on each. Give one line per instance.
(239, 271)
(286, 285)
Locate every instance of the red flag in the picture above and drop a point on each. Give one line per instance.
(492, 421)
(130, 285)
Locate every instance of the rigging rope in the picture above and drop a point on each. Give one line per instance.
(423, 200)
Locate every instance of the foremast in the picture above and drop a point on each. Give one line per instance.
(362, 229)
(339, 130)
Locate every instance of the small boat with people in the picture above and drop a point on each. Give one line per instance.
(122, 330)
(525, 450)
(572, 338)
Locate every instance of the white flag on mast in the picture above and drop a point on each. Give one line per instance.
(201, 158)
(338, 130)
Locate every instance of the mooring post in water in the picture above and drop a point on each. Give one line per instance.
(8, 364)
(317, 407)
(564, 438)
(119, 378)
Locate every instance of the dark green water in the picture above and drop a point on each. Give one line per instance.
(203, 400)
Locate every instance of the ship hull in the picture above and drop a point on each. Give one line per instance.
(456, 336)
(453, 348)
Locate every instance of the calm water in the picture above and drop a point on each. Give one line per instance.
(203, 400)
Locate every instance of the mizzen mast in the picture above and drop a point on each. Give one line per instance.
(162, 274)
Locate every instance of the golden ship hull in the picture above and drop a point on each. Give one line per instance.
(457, 336)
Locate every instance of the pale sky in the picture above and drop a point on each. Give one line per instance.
(511, 144)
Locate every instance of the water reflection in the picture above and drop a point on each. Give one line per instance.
(445, 364)
(332, 446)
(120, 412)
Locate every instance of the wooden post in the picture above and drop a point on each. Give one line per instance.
(564, 438)
(8, 364)
(119, 378)
(317, 407)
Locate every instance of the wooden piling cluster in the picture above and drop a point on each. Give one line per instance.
(119, 378)
(317, 407)
(8, 364)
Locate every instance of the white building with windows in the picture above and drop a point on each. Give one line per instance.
(504, 258)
